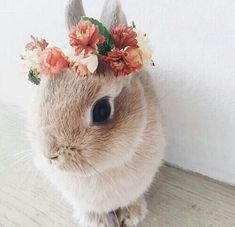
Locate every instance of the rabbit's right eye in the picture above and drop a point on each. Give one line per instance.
(101, 111)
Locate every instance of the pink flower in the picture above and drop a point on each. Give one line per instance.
(85, 37)
(123, 36)
(124, 62)
(36, 44)
(52, 61)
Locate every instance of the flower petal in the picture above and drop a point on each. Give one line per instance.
(91, 62)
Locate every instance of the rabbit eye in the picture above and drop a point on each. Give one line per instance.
(101, 111)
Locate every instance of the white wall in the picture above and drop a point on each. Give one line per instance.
(194, 43)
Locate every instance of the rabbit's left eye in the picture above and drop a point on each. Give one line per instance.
(101, 111)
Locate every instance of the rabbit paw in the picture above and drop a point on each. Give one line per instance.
(133, 214)
(95, 220)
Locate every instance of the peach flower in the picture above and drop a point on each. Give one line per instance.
(133, 58)
(123, 36)
(124, 62)
(85, 37)
(52, 61)
(79, 68)
(84, 66)
(36, 44)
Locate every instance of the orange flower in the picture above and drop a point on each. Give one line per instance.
(123, 36)
(124, 62)
(36, 44)
(52, 61)
(85, 37)
(115, 61)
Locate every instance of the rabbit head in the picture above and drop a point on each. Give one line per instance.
(89, 124)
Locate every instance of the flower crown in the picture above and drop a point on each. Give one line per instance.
(122, 49)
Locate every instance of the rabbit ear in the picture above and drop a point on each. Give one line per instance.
(74, 11)
(112, 13)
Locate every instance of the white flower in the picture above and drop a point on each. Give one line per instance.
(144, 44)
(31, 60)
(91, 62)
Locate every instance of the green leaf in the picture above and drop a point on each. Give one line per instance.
(108, 44)
(32, 76)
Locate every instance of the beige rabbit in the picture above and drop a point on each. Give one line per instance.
(99, 138)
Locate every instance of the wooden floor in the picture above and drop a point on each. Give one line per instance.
(176, 199)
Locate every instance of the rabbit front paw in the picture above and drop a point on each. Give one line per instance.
(133, 214)
(95, 220)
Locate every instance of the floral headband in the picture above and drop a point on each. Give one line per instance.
(122, 49)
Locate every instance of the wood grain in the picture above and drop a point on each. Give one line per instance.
(176, 198)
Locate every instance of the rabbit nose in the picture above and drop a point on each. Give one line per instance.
(52, 154)
(53, 157)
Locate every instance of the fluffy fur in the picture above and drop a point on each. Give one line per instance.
(103, 171)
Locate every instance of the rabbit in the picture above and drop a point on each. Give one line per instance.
(101, 163)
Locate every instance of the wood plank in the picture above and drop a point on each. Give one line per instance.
(179, 199)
